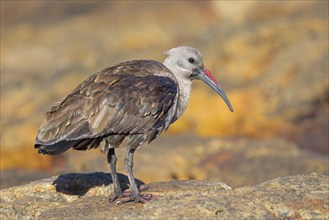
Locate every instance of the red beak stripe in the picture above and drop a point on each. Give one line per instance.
(206, 71)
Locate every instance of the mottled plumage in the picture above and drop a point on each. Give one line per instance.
(125, 99)
(135, 99)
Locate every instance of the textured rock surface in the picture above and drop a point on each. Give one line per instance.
(85, 196)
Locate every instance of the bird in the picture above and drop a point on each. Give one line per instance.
(133, 100)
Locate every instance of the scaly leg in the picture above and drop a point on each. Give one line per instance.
(129, 168)
(112, 160)
(132, 195)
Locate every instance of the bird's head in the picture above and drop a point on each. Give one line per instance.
(187, 62)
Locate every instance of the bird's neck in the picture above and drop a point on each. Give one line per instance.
(184, 96)
(184, 88)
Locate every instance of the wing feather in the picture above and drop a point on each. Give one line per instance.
(128, 98)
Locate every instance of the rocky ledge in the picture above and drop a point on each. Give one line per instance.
(85, 196)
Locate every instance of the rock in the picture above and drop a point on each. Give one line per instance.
(85, 196)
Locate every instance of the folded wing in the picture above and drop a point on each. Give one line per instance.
(128, 98)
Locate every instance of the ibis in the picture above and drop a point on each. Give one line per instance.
(134, 100)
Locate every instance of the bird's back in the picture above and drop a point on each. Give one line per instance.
(133, 97)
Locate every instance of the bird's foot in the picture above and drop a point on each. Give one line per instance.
(127, 196)
(131, 198)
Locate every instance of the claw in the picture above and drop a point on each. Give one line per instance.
(143, 188)
(123, 200)
(113, 197)
(145, 198)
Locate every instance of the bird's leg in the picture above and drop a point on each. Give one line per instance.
(129, 168)
(112, 160)
(133, 193)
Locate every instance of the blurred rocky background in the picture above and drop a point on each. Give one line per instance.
(271, 57)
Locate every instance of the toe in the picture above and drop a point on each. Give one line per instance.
(113, 197)
(124, 200)
(143, 188)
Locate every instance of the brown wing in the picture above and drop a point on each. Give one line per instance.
(124, 99)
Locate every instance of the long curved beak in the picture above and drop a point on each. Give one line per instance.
(207, 77)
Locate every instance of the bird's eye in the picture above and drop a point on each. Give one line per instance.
(191, 60)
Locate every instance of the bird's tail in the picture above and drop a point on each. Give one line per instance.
(54, 149)
(62, 146)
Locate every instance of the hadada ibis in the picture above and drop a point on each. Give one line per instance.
(135, 99)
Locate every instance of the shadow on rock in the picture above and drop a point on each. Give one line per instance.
(80, 183)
